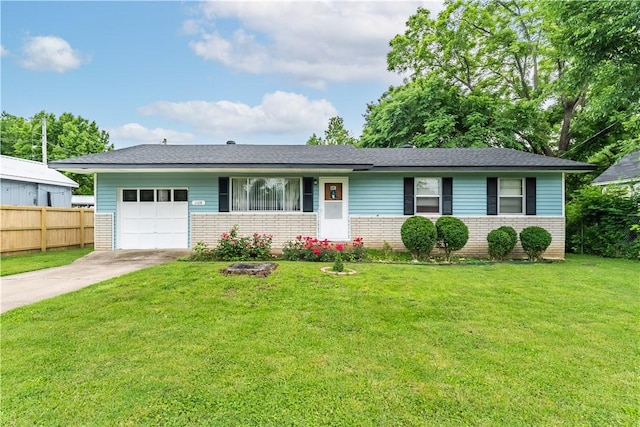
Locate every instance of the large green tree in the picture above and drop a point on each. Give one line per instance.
(67, 136)
(601, 39)
(335, 134)
(511, 62)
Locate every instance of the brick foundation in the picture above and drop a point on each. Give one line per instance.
(103, 232)
(207, 227)
(376, 230)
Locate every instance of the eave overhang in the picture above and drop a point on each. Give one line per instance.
(213, 168)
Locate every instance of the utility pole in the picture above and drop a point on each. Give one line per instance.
(44, 140)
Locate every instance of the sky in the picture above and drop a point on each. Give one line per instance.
(255, 72)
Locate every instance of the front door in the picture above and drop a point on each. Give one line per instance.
(334, 208)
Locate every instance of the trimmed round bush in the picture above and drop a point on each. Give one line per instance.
(535, 240)
(452, 233)
(418, 235)
(512, 234)
(500, 243)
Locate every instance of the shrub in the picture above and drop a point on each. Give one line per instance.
(338, 265)
(418, 236)
(500, 244)
(231, 247)
(513, 236)
(312, 249)
(535, 240)
(387, 249)
(452, 234)
(202, 252)
(600, 223)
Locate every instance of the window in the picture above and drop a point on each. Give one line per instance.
(129, 195)
(180, 196)
(265, 194)
(510, 196)
(163, 196)
(146, 195)
(427, 195)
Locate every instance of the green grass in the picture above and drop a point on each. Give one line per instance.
(15, 264)
(394, 345)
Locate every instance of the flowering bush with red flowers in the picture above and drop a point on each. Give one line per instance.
(311, 249)
(232, 247)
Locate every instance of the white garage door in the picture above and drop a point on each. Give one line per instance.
(153, 218)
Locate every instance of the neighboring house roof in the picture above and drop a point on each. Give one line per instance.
(626, 170)
(12, 168)
(83, 200)
(314, 157)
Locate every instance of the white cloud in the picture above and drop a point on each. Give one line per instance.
(134, 133)
(317, 42)
(51, 53)
(278, 113)
(3, 51)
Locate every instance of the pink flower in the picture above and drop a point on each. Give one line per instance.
(316, 251)
(339, 248)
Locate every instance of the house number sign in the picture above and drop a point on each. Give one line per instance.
(198, 202)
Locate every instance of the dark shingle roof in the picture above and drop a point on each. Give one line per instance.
(467, 158)
(627, 168)
(320, 157)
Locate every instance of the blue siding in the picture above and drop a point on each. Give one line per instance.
(470, 195)
(549, 199)
(382, 194)
(369, 194)
(201, 186)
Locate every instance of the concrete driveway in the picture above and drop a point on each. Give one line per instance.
(26, 288)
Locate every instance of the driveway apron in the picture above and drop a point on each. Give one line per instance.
(26, 288)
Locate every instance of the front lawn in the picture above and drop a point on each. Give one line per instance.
(14, 264)
(396, 345)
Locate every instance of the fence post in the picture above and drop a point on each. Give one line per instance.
(43, 229)
(82, 227)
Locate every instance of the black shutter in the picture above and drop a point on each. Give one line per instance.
(530, 188)
(492, 196)
(447, 196)
(223, 194)
(408, 196)
(307, 194)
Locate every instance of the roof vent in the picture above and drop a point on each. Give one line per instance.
(231, 143)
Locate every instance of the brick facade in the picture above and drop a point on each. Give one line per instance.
(207, 227)
(103, 232)
(376, 230)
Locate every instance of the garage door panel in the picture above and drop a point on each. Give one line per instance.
(171, 240)
(129, 241)
(146, 225)
(130, 224)
(148, 209)
(164, 210)
(181, 223)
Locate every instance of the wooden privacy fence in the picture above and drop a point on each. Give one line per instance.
(29, 229)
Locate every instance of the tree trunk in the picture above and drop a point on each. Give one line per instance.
(569, 107)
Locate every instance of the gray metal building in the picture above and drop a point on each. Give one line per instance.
(28, 183)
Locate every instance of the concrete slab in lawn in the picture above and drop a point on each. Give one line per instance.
(26, 288)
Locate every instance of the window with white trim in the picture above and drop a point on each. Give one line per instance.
(427, 194)
(266, 194)
(510, 196)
